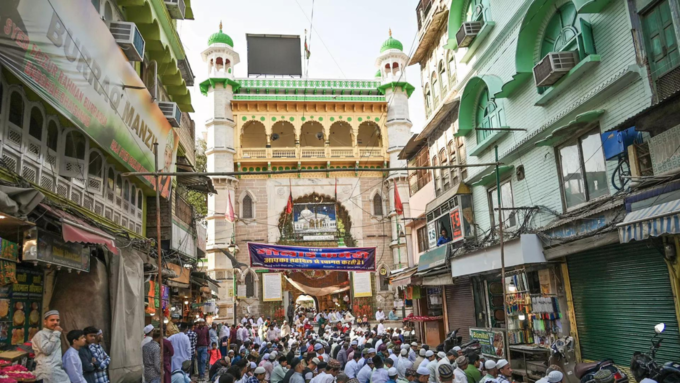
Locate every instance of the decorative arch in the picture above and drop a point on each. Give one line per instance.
(372, 199)
(459, 12)
(381, 283)
(245, 278)
(428, 98)
(467, 111)
(309, 134)
(283, 135)
(95, 171)
(369, 135)
(341, 134)
(253, 204)
(253, 135)
(531, 33)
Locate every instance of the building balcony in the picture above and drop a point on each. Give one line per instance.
(309, 153)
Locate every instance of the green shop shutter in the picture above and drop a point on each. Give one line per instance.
(620, 292)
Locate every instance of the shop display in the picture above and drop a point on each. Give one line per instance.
(20, 306)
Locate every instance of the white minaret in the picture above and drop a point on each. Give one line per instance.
(220, 58)
(392, 64)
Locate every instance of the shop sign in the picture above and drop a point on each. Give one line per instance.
(578, 228)
(275, 257)
(64, 52)
(432, 234)
(53, 250)
(491, 341)
(182, 273)
(21, 307)
(456, 225)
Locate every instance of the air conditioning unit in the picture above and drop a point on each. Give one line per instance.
(176, 8)
(171, 112)
(554, 66)
(128, 38)
(467, 32)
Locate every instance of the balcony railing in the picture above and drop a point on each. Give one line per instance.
(330, 152)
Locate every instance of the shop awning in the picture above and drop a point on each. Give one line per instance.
(433, 258)
(651, 222)
(404, 278)
(567, 130)
(77, 230)
(525, 250)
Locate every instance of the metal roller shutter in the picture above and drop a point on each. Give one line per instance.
(620, 292)
(460, 307)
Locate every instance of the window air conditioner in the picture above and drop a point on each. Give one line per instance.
(176, 8)
(171, 112)
(553, 67)
(467, 32)
(128, 38)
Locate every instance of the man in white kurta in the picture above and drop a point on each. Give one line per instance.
(47, 349)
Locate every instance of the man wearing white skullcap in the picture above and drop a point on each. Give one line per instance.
(504, 371)
(431, 365)
(403, 363)
(47, 349)
(491, 371)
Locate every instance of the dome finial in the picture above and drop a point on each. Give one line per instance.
(390, 32)
(221, 25)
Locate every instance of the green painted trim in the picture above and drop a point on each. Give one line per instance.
(479, 39)
(210, 83)
(392, 85)
(456, 14)
(281, 97)
(590, 6)
(580, 69)
(529, 33)
(261, 270)
(490, 177)
(468, 101)
(511, 86)
(308, 84)
(565, 131)
(493, 137)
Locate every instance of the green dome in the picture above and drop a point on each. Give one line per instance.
(378, 74)
(391, 43)
(220, 37)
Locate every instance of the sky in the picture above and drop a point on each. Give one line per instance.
(346, 38)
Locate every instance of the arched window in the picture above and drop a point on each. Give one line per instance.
(435, 90)
(16, 109)
(377, 205)
(133, 195)
(140, 200)
(74, 146)
(250, 285)
(108, 11)
(452, 68)
(487, 115)
(119, 185)
(562, 31)
(442, 76)
(96, 164)
(52, 135)
(35, 125)
(126, 190)
(110, 177)
(428, 99)
(247, 206)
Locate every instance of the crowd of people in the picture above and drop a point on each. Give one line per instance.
(324, 347)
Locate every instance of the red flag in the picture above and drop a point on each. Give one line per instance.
(229, 215)
(398, 207)
(289, 206)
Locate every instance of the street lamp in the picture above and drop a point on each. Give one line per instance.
(232, 248)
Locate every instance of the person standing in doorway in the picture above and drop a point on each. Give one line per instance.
(47, 349)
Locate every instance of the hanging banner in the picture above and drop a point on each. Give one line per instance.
(275, 257)
(272, 287)
(361, 283)
(456, 225)
(63, 51)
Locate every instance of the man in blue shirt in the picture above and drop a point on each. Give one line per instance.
(443, 238)
(71, 360)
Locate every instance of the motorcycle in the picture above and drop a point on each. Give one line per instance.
(453, 340)
(585, 372)
(643, 365)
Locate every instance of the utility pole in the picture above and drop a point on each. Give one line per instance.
(500, 235)
(159, 254)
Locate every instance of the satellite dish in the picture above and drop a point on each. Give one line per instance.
(275, 136)
(319, 136)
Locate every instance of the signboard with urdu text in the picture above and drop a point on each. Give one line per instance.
(53, 250)
(276, 257)
(63, 51)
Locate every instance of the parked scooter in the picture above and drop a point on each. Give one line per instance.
(645, 366)
(585, 372)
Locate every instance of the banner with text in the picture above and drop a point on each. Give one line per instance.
(64, 52)
(276, 257)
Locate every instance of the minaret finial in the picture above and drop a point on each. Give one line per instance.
(220, 25)
(390, 32)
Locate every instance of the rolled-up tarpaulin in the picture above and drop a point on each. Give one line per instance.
(317, 291)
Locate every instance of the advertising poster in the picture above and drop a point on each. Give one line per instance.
(492, 342)
(361, 283)
(272, 287)
(456, 225)
(25, 306)
(432, 234)
(40, 51)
